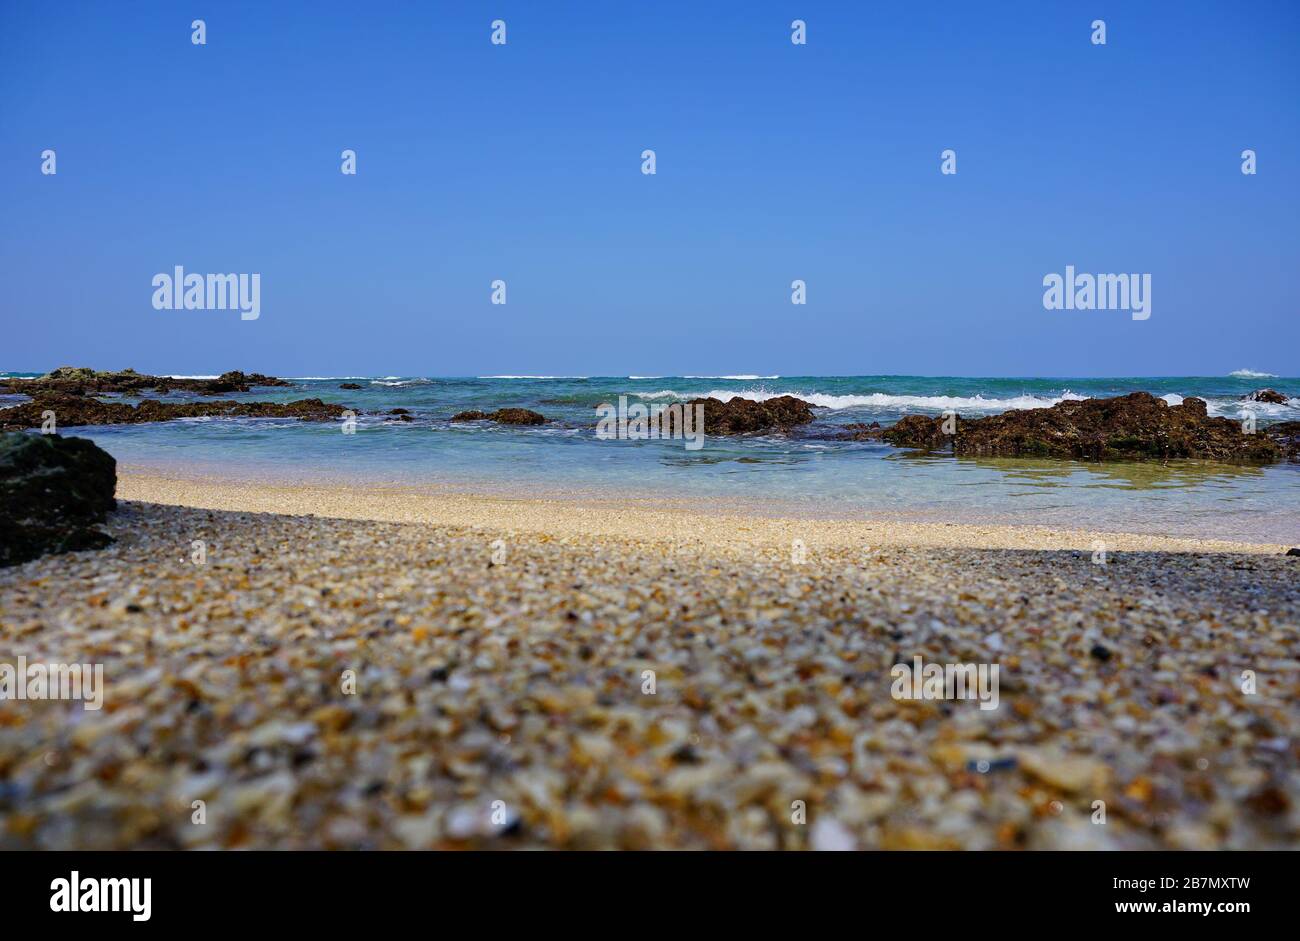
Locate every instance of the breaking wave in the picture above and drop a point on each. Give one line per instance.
(879, 400)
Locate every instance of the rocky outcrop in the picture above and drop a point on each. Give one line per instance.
(76, 410)
(1138, 426)
(54, 491)
(503, 416)
(350, 385)
(79, 380)
(742, 416)
(1271, 396)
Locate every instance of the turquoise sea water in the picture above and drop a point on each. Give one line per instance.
(800, 474)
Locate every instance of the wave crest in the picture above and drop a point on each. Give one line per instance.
(879, 400)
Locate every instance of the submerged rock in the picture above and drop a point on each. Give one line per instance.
(80, 380)
(53, 493)
(1131, 427)
(74, 410)
(853, 431)
(860, 431)
(503, 416)
(742, 416)
(1287, 436)
(350, 385)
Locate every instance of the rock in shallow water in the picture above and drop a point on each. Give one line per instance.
(81, 380)
(503, 416)
(53, 492)
(1137, 426)
(1271, 396)
(744, 416)
(76, 410)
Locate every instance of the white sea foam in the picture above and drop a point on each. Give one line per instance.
(877, 400)
(1251, 374)
(747, 377)
(1234, 408)
(532, 377)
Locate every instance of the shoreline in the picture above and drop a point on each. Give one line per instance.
(712, 523)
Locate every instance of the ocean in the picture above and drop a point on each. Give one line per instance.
(801, 474)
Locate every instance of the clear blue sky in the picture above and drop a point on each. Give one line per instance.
(775, 162)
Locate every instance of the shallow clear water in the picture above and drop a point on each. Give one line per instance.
(799, 474)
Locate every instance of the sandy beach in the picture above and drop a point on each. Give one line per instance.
(376, 667)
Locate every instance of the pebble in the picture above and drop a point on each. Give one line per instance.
(523, 682)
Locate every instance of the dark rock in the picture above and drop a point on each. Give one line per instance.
(1293, 552)
(518, 416)
(75, 410)
(1098, 652)
(53, 493)
(228, 382)
(1287, 436)
(504, 416)
(744, 416)
(79, 380)
(350, 385)
(1131, 427)
(1267, 395)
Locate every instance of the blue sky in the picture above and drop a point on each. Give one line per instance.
(775, 162)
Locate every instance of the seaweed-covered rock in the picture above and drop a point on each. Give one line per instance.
(76, 410)
(741, 416)
(53, 493)
(917, 431)
(1137, 426)
(503, 416)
